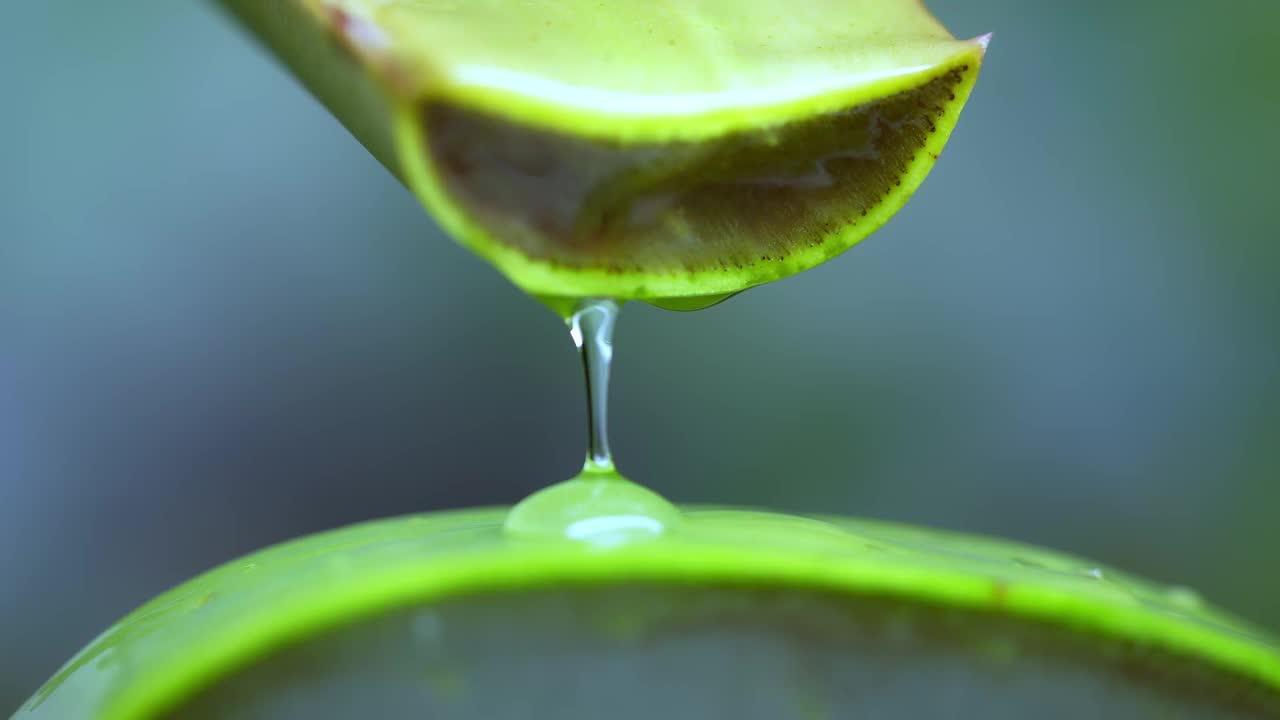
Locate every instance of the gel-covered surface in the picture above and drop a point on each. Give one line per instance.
(189, 639)
(750, 198)
(634, 149)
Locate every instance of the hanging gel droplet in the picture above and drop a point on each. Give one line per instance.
(591, 327)
(599, 506)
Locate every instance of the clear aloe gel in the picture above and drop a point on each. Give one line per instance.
(752, 199)
(599, 506)
(591, 326)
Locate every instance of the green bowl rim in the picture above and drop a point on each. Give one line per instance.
(498, 564)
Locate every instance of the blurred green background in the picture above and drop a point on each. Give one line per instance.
(222, 324)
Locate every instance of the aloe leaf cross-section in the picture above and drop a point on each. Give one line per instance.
(639, 149)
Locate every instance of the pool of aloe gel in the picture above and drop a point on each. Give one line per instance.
(599, 505)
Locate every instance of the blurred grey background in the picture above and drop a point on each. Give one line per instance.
(222, 324)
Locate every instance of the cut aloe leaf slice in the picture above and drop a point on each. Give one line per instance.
(633, 149)
(729, 614)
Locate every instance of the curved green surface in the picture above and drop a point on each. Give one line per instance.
(189, 637)
(648, 110)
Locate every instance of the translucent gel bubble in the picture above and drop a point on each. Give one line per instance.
(599, 506)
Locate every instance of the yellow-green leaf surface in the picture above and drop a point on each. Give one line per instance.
(646, 149)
